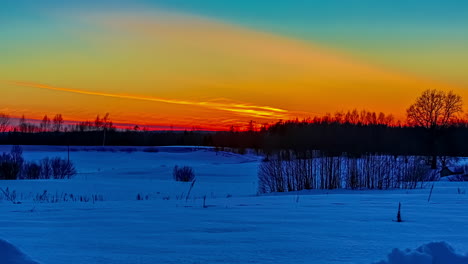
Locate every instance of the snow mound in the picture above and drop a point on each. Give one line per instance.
(432, 253)
(9, 254)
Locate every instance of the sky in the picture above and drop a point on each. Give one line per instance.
(210, 64)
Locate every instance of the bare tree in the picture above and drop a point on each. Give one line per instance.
(26, 127)
(105, 124)
(23, 125)
(45, 124)
(434, 109)
(4, 122)
(98, 122)
(58, 122)
(453, 105)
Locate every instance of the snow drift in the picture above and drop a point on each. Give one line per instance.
(432, 253)
(9, 254)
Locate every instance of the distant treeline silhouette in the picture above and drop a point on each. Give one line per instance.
(433, 128)
(336, 138)
(317, 134)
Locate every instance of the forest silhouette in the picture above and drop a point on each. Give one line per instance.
(434, 127)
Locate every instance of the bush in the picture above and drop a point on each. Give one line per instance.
(287, 172)
(11, 164)
(31, 171)
(46, 169)
(62, 169)
(270, 177)
(56, 168)
(184, 174)
(9, 170)
(412, 172)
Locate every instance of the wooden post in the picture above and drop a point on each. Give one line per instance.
(399, 213)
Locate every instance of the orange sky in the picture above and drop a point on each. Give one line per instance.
(166, 68)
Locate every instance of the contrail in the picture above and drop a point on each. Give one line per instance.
(238, 108)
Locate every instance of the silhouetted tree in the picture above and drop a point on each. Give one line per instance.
(45, 124)
(104, 124)
(23, 126)
(339, 116)
(58, 122)
(107, 123)
(98, 122)
(84, 126)
(434, 109)
(251, 126)
(11, 163)
(4, 122)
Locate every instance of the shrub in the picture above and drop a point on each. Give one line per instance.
(62, 169)
(184, 174)
(46, 168)
(10, 196)
(8, 168)
(412, 172)
(270, 177)
(17, 153)
(11, 164)
(31, 171)
(287, 172)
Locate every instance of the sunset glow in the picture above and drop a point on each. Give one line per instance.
(212, 65)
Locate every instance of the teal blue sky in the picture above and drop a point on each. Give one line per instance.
(293, 15)
(322, 56)
(411, 35)
(398, 34)
(310, 20)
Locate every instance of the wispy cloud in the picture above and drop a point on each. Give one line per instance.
(243, 109)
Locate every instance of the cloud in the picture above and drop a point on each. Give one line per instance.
(314, 78)
(233, 107)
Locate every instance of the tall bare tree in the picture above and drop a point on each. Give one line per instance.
(45, 124)
(434, 109)
(4, 122)
(23, 125)
(105, 124)
(58, 122)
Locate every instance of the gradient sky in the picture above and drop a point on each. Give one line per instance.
(212, 64)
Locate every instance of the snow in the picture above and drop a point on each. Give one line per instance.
(235, 226)
(9, 254)
(432, 253)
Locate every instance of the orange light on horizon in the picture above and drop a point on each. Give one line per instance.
(183, 70)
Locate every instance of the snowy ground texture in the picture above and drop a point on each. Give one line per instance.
(96, 217)
(9, 254)
(432, 253)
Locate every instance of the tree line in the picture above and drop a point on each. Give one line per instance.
(434, 127)
(332, 154)
(56, 124)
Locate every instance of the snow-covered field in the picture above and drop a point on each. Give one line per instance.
(235, 225)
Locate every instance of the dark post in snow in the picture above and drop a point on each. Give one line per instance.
(430, 194)
(399, 213)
